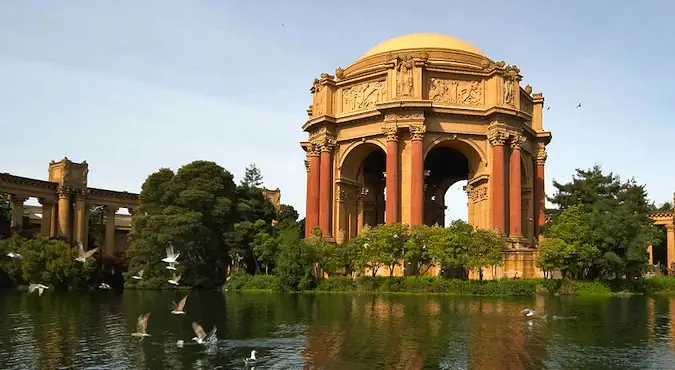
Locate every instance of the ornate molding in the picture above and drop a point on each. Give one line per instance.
(541, 153)
(341, 196)
(63, 191)
(307, 165)
(498, 137)
(404, 116)
(417, 132)
(478, 194)
(455, 92)
(390, 132)
(327, 144)
(314, 149)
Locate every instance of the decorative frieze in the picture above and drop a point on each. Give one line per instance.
(455, 92)
(363, 96)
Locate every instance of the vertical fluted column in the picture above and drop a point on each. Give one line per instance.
(80, 219)
(312, 214)
(417, 175)
(64, 210)
(497, 140)
(515, 188)
(110, 212)
(359, 210)
(46, 222)
(325, 186)
(539, 190)
(307, 197)
(392, 202)
(17, 211)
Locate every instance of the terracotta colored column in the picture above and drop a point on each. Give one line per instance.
(17, 211)
(46, 223)
(110, 230)
(539, 192)
(392, 202)
(497, 140)
(670, 245)
(312, 214)
(417, 175)
(650, 252)
(64, 210)
(515, 188)
(325, 188)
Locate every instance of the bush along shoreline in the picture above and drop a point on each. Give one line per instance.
(434, 285)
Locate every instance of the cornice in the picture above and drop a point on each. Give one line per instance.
(19, 180)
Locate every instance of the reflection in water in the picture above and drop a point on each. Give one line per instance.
(92, 329)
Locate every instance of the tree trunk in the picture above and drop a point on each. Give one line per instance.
(480, 274)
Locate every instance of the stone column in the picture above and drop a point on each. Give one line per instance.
(650, 252)
(359, 210)
(497, 140)
(342, 225)
(110, 230)
(417, 175)
(325, 186)
(80, 219)
(670, 245)
(392, 201)
(515, 188)
(46, 223)
(17, 211)
(64, 210)
(312, 213)
(539, 190)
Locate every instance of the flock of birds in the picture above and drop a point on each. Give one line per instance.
(201, 337)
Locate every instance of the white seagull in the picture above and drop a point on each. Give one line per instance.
(138, 275)
(14, 255)
(104, 286)
(528, 312)
(84, 256)
(178, 309)
(171, 266)
(141, 327)
(251, 361)
(175, 280)
(171, 257)
(201, 336)
(40, 288)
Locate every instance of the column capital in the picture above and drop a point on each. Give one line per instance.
(111, 209)
(327, 144)
(390, 132)
(670, 227)
(517, 141)
(307, 164)
(417, 132)
(63, 191)
(341, 196)
(17, 199)
(498, 137)
(541, 153)
(46, 202)
(314, 149)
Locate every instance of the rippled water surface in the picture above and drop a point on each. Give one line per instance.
(79, 330)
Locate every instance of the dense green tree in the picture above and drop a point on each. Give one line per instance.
(389, 242)
(295, 262)
(252, 177)
(610, 215)
(193, 210)
(417, 251)
(287, 216)
(52, 262)
(96, 229)
(664, 207)
(486, 249)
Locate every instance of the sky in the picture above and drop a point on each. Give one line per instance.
(131, 86)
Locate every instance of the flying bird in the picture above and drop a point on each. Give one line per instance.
(251, 361)
(104, 286)
(201, 336)
(40, 288)
(548, 108)
(171, 257)
(141, 327)
(138, 276)
(178, 309)
(84, 256)
(175, 280)
(14, 255)
(579, 105)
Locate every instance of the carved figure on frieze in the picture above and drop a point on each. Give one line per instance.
(508, 92)
(363, 96)
(417, 132)
(451, 92)
(498, 137)
(318, 106)
(339, 73)
(404, 77)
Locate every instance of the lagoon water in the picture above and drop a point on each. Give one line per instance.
(80, 330)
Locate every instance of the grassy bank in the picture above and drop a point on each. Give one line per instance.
(433, 285)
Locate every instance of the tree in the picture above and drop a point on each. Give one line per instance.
(486, 249)
(96, 230)
(287, 216)
(388, 243)
(417, 250)
(52, 262)
(611, 216)
(252, 177)
(5, 215)
(665, 207)
(295, 261)
(192, 210)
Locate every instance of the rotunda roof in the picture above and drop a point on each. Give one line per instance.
(422, 41)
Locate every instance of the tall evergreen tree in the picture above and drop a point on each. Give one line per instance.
(252, 177)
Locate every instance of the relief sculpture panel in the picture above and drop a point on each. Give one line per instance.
(455, 92)
(478, 194)
(363, 96)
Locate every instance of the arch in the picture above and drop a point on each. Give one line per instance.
(354, 155)
(525, 169)
(473, 153)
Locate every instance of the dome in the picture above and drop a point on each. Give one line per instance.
(422, 41)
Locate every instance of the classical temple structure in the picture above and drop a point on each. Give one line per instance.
(389, 134)
(66, 201)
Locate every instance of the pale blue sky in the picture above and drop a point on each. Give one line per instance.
(132, 86)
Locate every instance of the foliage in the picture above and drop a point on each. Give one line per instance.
(96, 226)
(252, 177)
(46, 261)
(486, 248)
(5, 215)
(604, 222)
(10, 269)
(664, 207)
(192, 210)
(287, 217)
(295, 261)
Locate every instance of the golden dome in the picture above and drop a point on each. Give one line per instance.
(422, 41)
